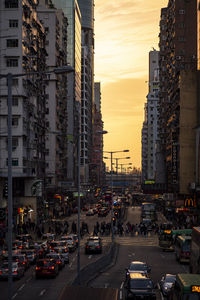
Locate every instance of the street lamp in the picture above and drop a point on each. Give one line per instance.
(117, 159)
(9, 77)
(79, 204)
(112, 204)
(124, 165)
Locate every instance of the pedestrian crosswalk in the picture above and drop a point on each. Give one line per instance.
(148, 241)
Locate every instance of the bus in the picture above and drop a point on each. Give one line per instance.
(167, 237)
(166, 240)
(195, 251)
(187, 287)
(182, 248)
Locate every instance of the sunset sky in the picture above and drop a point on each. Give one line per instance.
(125, 32)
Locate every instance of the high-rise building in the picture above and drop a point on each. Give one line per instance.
(178, 59)
(22, 51)
(55, 24)
(72, 12)
(96, 166)
(150, 129)
(87, 89)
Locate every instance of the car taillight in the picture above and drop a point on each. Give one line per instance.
(51, 268)
(14, 272)
(87, 246)
(0, 272)
(58, 262)
(24, 262)
(37, 268)
(98, 247)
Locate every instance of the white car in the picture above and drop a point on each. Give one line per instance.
(70, 242)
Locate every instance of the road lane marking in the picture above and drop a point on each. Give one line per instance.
(121, 286)
(15, 295)
(163, 256)
(21, 287)
(70, 265)
(106, 285)
(120, 294)
(90, 256)
(42, 292)
(73, 259)
(28, 279)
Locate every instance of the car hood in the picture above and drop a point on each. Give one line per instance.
(168, 285)
(142, 292)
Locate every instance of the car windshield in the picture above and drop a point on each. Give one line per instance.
(93, 243)
(170, 279)
(141, 284)
(138, 267)
(53, 256)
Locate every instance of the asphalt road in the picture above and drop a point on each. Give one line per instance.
(138, 248)
(130, 248)
(30, 288)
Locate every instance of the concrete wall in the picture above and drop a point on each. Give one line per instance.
(188, 122)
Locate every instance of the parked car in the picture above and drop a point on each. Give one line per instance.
(138, 286)
(17, 270)
(138, 267)
(93, 246)
(46, 268)
(167, 283)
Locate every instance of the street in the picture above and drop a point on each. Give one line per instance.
(130, 248)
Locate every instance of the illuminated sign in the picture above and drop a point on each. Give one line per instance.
(189, 202)
(149, 182)
(167, 231)
(195, 288)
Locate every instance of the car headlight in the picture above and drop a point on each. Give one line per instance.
(166, 288)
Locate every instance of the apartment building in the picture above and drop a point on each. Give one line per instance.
(55, 24)
(97, 165)
(72, 12)
(150, 125)
(178, 58)
(87, 87)
(22, 51)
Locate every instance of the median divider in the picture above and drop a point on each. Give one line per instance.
(91, 271)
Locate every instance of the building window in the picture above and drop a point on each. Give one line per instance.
(181, 25)
(181, 38)
(11, 62)
(15, 121)
(181, 11)
(12, 43)
(15, 101)
(11, 3)
(13, 23)
(15, 162)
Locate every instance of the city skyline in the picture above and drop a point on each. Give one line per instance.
(121, 64)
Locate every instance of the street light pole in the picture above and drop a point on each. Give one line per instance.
(10, 200)
(112, 210)
(79, 211)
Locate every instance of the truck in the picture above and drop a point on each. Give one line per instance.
(78, 293)
(195, 251)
